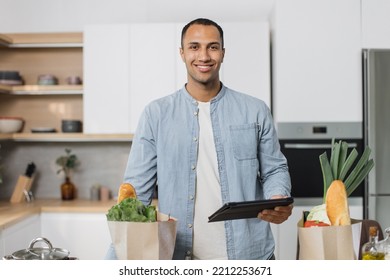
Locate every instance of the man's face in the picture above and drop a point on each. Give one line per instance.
(202, 52)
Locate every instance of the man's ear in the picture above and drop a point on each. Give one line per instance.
(182, 54)
(223, 54)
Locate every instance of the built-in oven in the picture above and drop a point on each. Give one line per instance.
(303, 143)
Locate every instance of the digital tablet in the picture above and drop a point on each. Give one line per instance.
(247, 209)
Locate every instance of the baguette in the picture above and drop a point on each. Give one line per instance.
(126, 190)
(337, 207)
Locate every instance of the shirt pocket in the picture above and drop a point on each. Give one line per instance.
(244, 141)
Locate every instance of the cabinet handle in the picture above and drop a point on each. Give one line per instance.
(313, 146)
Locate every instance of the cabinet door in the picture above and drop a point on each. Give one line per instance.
(18, 236)
(153, 52)
(316, 52)
(85, 235)
(106, 79)
(246, 66)
(126, 67)
(375, 24)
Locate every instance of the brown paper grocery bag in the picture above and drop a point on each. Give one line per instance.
(329, 243)
(144, 241)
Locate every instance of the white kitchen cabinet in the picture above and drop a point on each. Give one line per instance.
(18, 236)
(127, 66)
(316, 61)
(106, 79)
(375, 24)
(85, 235)
(246, 66)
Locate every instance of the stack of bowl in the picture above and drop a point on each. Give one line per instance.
(10, 78)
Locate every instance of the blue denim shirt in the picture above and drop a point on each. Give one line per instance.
(251, 165)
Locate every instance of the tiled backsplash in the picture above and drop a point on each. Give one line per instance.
(101, 163)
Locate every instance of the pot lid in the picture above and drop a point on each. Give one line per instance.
(41, 253)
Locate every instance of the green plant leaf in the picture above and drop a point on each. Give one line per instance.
(334, 158)
(360, 177)
(327, 175)
(342, 157)
(359, 166)
(348, 164)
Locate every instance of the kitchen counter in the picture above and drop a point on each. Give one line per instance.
(13, 213)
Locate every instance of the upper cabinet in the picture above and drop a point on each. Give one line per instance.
(375, 24)
(316, 55)
(127, 66)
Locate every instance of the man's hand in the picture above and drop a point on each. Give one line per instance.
(278, 215)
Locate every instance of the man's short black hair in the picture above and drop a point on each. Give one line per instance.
(201, 21)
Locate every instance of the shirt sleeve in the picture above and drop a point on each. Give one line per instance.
(141, 168)
(274, 174)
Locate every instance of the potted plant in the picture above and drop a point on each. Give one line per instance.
(67, 163)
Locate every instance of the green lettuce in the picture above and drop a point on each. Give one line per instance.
(132, 210)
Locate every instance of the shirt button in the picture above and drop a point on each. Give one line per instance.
(191, 197)
(189, 225)
(195, 113)
(193, 167)
(195, 139)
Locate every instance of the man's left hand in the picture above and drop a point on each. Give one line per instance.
(277, 215)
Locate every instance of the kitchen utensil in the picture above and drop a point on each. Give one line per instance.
(11, 124)
(39, 253)
(23, 185)
(71, 126)
(47, 80)
(10, 78)
(43, 130)
(74, 80)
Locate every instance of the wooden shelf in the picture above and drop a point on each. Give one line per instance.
(42, 89)
(66, 137)
(42, 40)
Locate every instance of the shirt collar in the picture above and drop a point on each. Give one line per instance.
(216, 98)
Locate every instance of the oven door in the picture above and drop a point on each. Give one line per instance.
(304, 164)
(302, 144)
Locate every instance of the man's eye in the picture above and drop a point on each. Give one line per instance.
(214, 47)
(193, 47)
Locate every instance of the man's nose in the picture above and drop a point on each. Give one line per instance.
(203, 54)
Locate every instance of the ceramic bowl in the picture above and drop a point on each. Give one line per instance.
(11, 124)
(71, 126)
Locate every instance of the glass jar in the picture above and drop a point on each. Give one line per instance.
(373, 250)
(68, 190)
(385, 244)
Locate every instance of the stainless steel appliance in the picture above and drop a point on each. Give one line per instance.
(376, 89)
(303, 143)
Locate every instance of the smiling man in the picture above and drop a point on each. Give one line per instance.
(208, 145)
(202, 51)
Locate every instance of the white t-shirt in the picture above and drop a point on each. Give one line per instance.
(209, 238)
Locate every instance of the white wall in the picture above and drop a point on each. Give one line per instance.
(71, 15)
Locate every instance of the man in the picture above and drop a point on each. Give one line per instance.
(207, 145)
